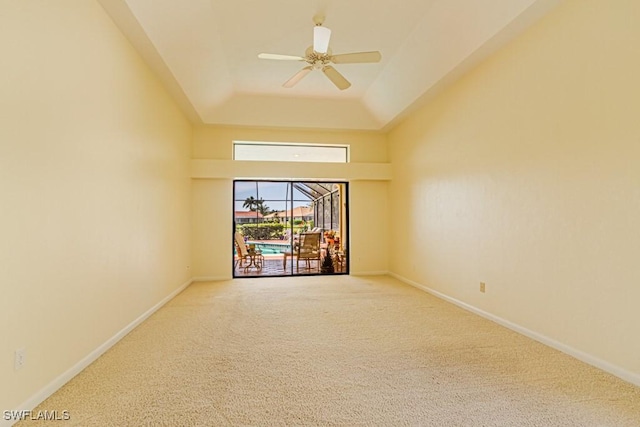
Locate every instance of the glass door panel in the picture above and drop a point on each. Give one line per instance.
(284, 228)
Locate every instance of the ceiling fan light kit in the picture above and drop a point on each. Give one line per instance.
(319, 57)
(321, 36)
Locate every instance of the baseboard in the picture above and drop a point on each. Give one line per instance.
(61, 380)
(619, 372)
(369, 273)
(211, 278)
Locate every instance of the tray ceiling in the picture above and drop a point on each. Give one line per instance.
(206, 53)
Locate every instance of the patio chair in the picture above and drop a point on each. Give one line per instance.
(253, 258)
(308, 250)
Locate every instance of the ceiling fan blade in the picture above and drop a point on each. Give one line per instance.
(337, 78)
(280, 57)
(297, 77)
(358, 57)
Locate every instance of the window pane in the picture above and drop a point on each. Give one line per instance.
(300, 196)
(327, 212)
(284, 152)
(335, 219)
(245, 189)
(273, 190)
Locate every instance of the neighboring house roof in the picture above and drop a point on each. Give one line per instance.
(299, 212)
(248, 214)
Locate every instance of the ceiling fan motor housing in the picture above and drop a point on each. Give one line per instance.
(317, 60)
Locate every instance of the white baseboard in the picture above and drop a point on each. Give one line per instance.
(61, 380)
(619, 372)
(369, 273)
(211, 278)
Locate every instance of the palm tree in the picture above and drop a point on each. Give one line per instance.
(251, 203)
(262, 208)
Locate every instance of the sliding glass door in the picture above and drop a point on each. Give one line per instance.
(286, 228)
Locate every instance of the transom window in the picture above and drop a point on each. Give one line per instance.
(289, 152)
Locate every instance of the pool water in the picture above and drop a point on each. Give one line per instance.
(271, 248)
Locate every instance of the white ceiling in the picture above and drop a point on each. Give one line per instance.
(206, 53)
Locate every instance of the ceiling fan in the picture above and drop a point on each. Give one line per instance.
(319, 57)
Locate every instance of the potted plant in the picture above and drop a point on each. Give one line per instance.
(329, 237)
(327, 263)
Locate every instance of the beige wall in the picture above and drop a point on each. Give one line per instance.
(524, 175)
(211, 228)
(212, 205)
(94, 178)
(369, 227)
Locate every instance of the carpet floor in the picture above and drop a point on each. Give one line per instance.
(334, 351)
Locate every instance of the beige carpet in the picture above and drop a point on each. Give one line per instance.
(341, 351)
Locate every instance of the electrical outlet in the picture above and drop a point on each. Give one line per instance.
(482, 287)
(19, 360)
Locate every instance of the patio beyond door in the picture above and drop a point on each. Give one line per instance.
(284, 228)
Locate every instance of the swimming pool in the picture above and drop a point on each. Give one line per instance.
(271, 248)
